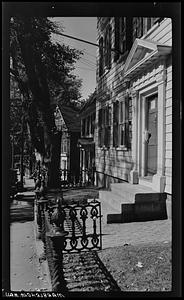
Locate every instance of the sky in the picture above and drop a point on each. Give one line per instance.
(82, 28)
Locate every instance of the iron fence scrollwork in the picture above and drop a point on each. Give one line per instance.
(83, 223)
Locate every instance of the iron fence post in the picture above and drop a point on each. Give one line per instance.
(57, 240)
(43, 203)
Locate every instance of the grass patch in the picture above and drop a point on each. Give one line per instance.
(140, 267)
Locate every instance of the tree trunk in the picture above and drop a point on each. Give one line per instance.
(54, 180)
(22, 156)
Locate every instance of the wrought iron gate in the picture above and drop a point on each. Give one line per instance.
(83, 223)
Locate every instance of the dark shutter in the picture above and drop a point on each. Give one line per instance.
(137, 27)
(107, 129)
(99, 127)
(101, 58)
(117, 37)
(107, 54)
(115, 123)
(126, 141)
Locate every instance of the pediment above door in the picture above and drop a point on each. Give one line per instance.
(142, 54)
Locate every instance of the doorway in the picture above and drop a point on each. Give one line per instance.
(152, 139)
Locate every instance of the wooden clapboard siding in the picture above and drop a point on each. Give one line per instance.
(162, 32)
(119, 163)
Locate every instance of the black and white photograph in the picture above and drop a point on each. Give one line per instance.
(91, 142)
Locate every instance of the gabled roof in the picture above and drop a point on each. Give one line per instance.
(89, 106)
(143, 53)
(71, 117)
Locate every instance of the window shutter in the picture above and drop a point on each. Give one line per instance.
(99, 127)
(117, 37)
(127, 143)
(107, 54)
(101, 58)
(115, 123)
(109, 48)
(107, 127)
(137, 27)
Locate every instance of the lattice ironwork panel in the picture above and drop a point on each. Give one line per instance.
(83, 222)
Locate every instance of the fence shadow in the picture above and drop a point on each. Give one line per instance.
(85, 272)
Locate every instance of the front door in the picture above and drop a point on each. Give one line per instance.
(152, 135)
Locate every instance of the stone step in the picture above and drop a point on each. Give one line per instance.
(129, 191)
(110, 199)
(140, 212)
(107, 206)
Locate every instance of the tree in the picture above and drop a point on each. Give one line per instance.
(43, 72)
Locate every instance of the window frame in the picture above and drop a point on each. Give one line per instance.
(104, 126)
(121, 124)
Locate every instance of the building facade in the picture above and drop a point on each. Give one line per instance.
(86, 142)
(133, 141)
(68, 122)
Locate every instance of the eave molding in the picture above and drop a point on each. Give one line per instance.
(157, 51)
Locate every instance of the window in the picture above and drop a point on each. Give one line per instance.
(104, 122)
(64, 146)
(88, 125)
(121, 123)
(101, 58)
(124, 123)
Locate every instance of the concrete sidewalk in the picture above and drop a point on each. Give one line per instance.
(27, 273)
(25, 269)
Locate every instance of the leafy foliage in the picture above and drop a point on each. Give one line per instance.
(43, 72)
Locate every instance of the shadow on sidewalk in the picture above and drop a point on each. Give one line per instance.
(22, 212)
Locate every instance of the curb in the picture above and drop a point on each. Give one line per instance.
(44, 268)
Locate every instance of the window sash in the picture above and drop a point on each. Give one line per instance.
(104, 127)
(121, 123)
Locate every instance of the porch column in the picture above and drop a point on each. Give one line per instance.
(159, 178)
(80, 170)
(134, 171)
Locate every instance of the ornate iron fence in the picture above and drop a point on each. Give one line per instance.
(68, 179)
(66, 228)
(83, 222)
